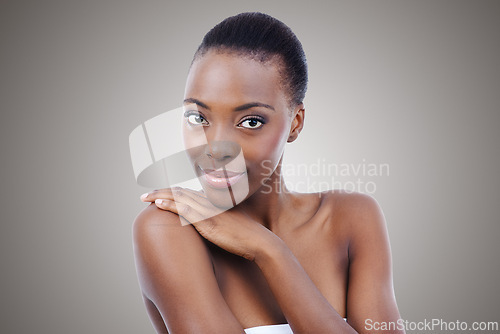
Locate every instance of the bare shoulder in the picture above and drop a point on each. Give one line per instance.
(346, 202)
(153, 216)
(353, 211)
(162, 242)
(175, 273)
(155, 225)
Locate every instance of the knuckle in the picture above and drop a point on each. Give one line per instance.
(185, 209)
(210, 226)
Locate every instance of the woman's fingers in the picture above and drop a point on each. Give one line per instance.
(197, 201)
(184, 210)
(155, 194)
(192, 205)
(167, 193)
(178, 194)
(196, 193)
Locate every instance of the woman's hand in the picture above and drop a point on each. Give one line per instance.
(231, 230)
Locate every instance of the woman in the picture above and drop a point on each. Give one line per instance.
(278, 261)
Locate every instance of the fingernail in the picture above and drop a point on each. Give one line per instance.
(143, 196)
(159, 201)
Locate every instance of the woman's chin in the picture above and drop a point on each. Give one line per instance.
(225, 198)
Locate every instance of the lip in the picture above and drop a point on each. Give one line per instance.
(217, 178)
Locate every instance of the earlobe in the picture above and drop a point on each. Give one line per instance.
(297, 122)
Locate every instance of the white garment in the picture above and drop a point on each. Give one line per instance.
(271, 329)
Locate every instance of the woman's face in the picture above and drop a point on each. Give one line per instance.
(236, 123)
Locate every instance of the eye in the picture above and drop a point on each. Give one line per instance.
(196, 119)
(251, 123)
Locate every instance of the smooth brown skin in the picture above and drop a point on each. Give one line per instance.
(278, 257)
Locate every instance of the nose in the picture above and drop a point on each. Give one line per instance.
(222, 150)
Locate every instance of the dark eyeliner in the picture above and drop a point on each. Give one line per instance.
(257, 117)
(188, 113)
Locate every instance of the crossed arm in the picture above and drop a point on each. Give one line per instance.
(181, 292)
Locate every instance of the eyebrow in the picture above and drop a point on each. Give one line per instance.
(239, 108)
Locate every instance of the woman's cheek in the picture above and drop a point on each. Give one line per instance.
(275, 143)
(265, 157)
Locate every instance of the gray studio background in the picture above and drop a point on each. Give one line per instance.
(414, 84)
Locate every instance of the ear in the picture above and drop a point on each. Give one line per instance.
(297, 122)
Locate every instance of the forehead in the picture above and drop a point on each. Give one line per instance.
(234, 79)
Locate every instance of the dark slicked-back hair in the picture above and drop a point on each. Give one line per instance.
(262, 37)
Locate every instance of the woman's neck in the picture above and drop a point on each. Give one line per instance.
(270, 203)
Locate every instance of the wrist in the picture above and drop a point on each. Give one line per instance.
(269, 250)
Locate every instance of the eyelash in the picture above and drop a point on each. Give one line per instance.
(188, 113)
(258, 118)
(253, 117)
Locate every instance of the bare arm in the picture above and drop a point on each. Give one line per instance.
(176, 276)
(370, 292)
(304, 307)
